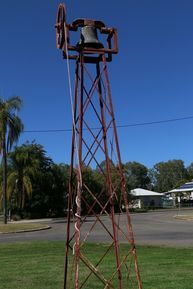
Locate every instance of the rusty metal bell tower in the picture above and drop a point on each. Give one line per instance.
(95, 145)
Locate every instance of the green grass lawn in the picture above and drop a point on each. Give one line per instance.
(19, 227)
(39, 265)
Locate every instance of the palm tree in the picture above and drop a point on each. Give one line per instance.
(10, 128)
(23, 168)
(1, 187)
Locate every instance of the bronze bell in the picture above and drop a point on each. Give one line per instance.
(89, 38)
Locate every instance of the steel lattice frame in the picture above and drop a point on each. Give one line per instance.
(94, 139)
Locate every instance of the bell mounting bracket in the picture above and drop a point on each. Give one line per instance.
(63, 32)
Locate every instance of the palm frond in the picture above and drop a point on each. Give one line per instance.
(13, 103)
(11, 184)
(27, 186)
(1, 195)
(10, 124)
(15, 128)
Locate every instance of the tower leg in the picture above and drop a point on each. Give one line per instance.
(97, 205)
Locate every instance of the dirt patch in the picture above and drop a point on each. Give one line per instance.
(184, 217)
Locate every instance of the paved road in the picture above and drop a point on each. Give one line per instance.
(154, 228)
(162, 228)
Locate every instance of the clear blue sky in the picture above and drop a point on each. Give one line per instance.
(151, 77)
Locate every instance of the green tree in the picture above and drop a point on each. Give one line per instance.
(57, 191)
(167, 175)
(10, 128)
(136, 176)
(49, 182)
(30, 163)
(190, 172)
(23, 166)
(93, 187)
(1, 188)
(116, 179)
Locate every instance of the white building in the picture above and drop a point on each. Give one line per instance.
(146, 198)
(182, 194)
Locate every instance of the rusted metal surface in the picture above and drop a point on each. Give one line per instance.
(63, 30)
(94, 139)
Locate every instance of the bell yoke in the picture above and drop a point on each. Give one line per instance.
(88, 43)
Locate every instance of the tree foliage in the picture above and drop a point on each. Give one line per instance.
(136, 176)
(10, 129)
(167, 175)
(37, 187)
(190, 172)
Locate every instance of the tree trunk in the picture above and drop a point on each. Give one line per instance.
(4, 161)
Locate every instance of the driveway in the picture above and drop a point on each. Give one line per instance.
(152, 228)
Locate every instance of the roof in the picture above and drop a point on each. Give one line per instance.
(141, 192)
(187, 187)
